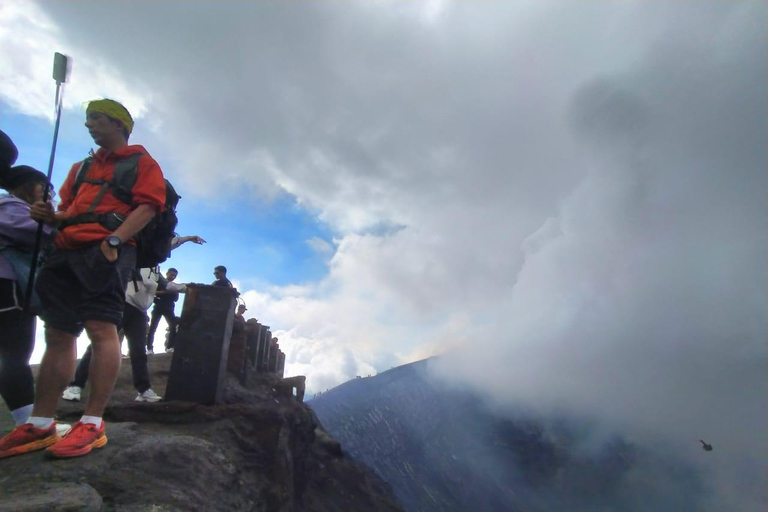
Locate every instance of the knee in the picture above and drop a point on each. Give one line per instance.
(100, 332)
(54, 338)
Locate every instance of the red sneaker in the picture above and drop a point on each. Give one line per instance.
(27, 438)
(79, 441)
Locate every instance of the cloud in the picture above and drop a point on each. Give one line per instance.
(320, 246)
(573, 195)
(28, 38)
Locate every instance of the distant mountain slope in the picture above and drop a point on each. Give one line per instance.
(442, 451)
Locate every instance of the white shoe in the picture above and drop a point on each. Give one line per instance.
(148, 396)
(150, 352)
(169, 350)
(72, 393)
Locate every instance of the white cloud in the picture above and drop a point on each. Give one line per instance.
(28, 39)
(319, 245)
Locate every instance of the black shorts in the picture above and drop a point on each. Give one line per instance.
(79, 285)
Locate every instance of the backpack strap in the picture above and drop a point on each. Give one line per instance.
(123, 179)
(82, 171)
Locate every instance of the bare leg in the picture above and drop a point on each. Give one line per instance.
(105, 365)
(56, 370)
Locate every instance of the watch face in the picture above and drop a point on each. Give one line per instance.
(113, 241)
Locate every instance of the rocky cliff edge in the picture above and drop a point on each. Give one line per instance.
(259, 451)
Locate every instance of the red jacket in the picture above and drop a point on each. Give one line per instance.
(149, 189)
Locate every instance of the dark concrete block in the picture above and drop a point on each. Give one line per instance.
(252, 340)
(236, 357)
(263, 351)
(280, 363)
(272, 360)
(198, 368)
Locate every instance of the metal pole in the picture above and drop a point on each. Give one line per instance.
(61, 65)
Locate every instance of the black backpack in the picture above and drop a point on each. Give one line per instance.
(153, 242)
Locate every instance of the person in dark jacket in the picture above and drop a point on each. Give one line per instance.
(165, 303)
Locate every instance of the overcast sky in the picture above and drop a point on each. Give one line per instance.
(571, 195)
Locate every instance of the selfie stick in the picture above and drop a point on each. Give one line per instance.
(61, 66)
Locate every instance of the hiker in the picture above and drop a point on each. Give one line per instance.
(165, 300)
(17, 239)
(220, 273)
(165, 303)
(82, 284)
(138, 297)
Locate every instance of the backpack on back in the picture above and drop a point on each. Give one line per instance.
(153, 242)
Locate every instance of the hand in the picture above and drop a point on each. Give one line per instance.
(197, 240)
(110, 253)
(43, 212)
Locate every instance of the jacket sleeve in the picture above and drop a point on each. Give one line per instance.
(150, 184)
(18, 228)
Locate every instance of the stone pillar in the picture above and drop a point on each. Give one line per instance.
(198, 368)
(252, 328)
(280, 364)
(236, 358)
(263, 353)
(272, 361)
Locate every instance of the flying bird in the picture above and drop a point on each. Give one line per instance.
(705, 446)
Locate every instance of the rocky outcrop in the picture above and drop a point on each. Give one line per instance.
(258, 451)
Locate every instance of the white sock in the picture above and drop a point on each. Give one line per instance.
(93, 420)
(39, 422)
(21, 415)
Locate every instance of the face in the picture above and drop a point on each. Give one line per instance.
(240, 310)
(30, 192)
(218, 274)
(171, 275)
(103, 129)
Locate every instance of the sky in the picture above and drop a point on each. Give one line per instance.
(567, 199)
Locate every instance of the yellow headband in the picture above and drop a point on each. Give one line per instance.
(114, 110)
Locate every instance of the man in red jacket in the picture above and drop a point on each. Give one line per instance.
(82, 285)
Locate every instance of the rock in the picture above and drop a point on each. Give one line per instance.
(248, 454)
(64, 497)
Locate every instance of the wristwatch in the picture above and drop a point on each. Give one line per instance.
(114, 242)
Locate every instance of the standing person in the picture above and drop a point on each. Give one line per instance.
(82, 285)
(165, 303)
(165, 299)
(138, 297)
(17, 238)
(220, 273)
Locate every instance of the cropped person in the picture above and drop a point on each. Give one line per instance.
(18, 232)
(82, 285)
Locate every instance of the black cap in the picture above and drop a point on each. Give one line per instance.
(8, 151)
(20, 175)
